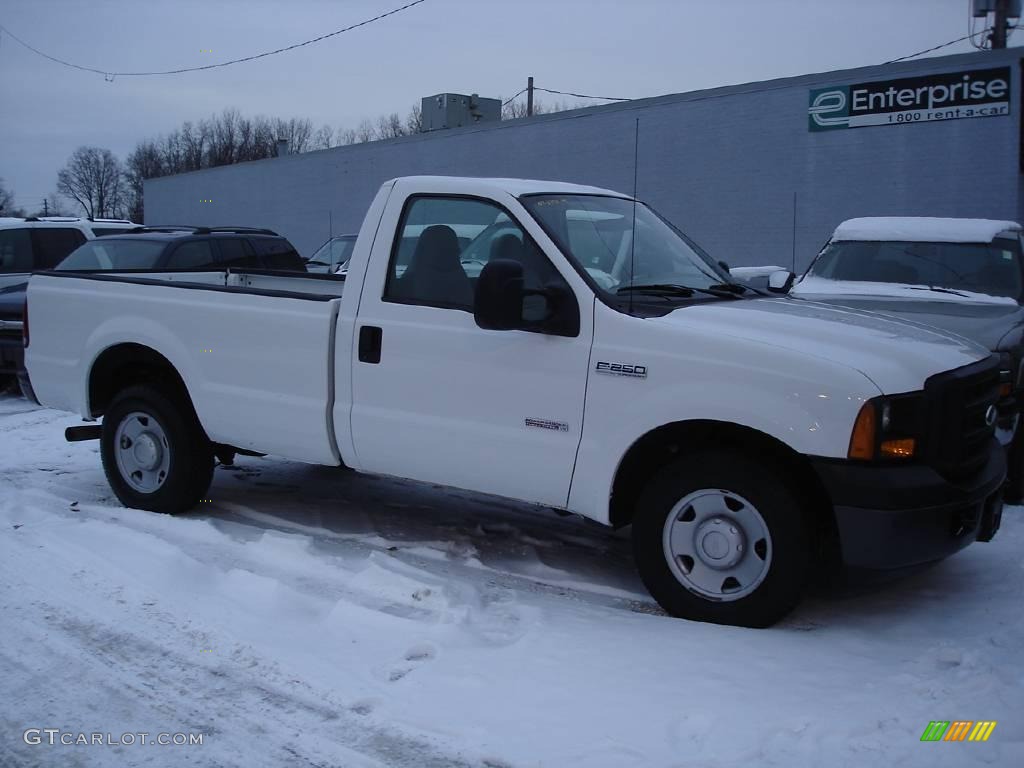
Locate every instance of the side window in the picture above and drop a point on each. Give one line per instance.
(52, 245)
(444, 243)
(195, 254)
(15, 250)
(278, 253)
(235, 252)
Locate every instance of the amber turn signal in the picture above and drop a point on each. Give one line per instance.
(1005, 389)
(862, 441)
(898, 449)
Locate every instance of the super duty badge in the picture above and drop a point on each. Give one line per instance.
(623, 369)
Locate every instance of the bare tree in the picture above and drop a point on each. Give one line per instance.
(365, 132)
(323, 138)
(390, 126)
(92, 178)
(414, 120)
(517, 108)
(7, 202)
(298, 132)
(145, 162)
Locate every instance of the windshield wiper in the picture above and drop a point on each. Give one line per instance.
(730, 288)
(933, 288)
(659, 288)
(721, 290)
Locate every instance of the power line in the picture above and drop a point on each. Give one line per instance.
(111, 75)
(581, 95)
(937, 47)
(509, 101)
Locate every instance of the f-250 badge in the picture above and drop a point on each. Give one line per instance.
(622, 369)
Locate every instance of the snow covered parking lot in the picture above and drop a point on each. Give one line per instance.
(312, 617)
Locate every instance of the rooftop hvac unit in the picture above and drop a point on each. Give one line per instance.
(454, 110)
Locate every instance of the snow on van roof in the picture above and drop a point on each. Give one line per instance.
(923, 229)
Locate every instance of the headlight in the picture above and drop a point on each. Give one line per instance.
(887, 428)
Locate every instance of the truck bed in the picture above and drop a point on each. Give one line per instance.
(258, 361)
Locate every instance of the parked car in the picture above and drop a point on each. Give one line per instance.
(165, 248)
(332, 257)
(26, 245)
(962, 275)
(750, 441)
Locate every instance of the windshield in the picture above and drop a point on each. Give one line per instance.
(108, 253)
(990, 268)
(597, 232)
(332, 253)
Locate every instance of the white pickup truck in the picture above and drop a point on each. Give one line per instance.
(557, 344)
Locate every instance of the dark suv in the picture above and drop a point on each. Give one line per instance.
(155, 249)
(165, 249)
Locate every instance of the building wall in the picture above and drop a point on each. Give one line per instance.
(730, 166)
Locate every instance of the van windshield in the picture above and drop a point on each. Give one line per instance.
(989, 268)
(597, 232)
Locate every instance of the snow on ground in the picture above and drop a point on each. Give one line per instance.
(307, 616)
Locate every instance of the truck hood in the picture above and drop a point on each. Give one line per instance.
(895, 356)
(985, 324)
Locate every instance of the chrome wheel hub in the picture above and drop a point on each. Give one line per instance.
(717, 544)
(142, 452)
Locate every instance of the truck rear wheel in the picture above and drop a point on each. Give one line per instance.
(155, 454)
(719, 537)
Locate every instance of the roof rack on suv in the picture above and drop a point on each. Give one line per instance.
(53, 218)
(200, 230)
(164, 228)
(243, 230)
(112, 221)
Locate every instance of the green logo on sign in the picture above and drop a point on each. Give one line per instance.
(829, 108)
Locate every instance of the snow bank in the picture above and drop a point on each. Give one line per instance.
(922, 229)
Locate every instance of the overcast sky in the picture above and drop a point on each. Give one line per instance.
(629, 48)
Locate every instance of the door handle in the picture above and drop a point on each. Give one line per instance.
(369, 344)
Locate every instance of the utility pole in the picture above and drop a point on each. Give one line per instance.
(46, 207)
(1000, 24)
(529, 96)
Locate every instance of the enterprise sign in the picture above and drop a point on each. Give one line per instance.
(952, 96)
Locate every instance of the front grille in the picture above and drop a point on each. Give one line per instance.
(959, 437)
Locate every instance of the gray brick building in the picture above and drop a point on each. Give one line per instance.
(746, 170)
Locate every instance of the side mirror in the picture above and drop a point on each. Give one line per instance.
(780, 281)
(724, 265)
(500, 302)
(498, 299)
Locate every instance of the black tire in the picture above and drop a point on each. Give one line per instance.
(9, 384)
(190, 469)
(780, 510)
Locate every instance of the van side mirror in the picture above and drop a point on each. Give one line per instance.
(724, 265)
(498, 298)
(780, 281)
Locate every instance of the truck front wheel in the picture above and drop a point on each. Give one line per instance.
(155, 454)
(719, 537)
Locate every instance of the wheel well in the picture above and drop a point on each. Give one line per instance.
(648, 455)
(126, 365)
